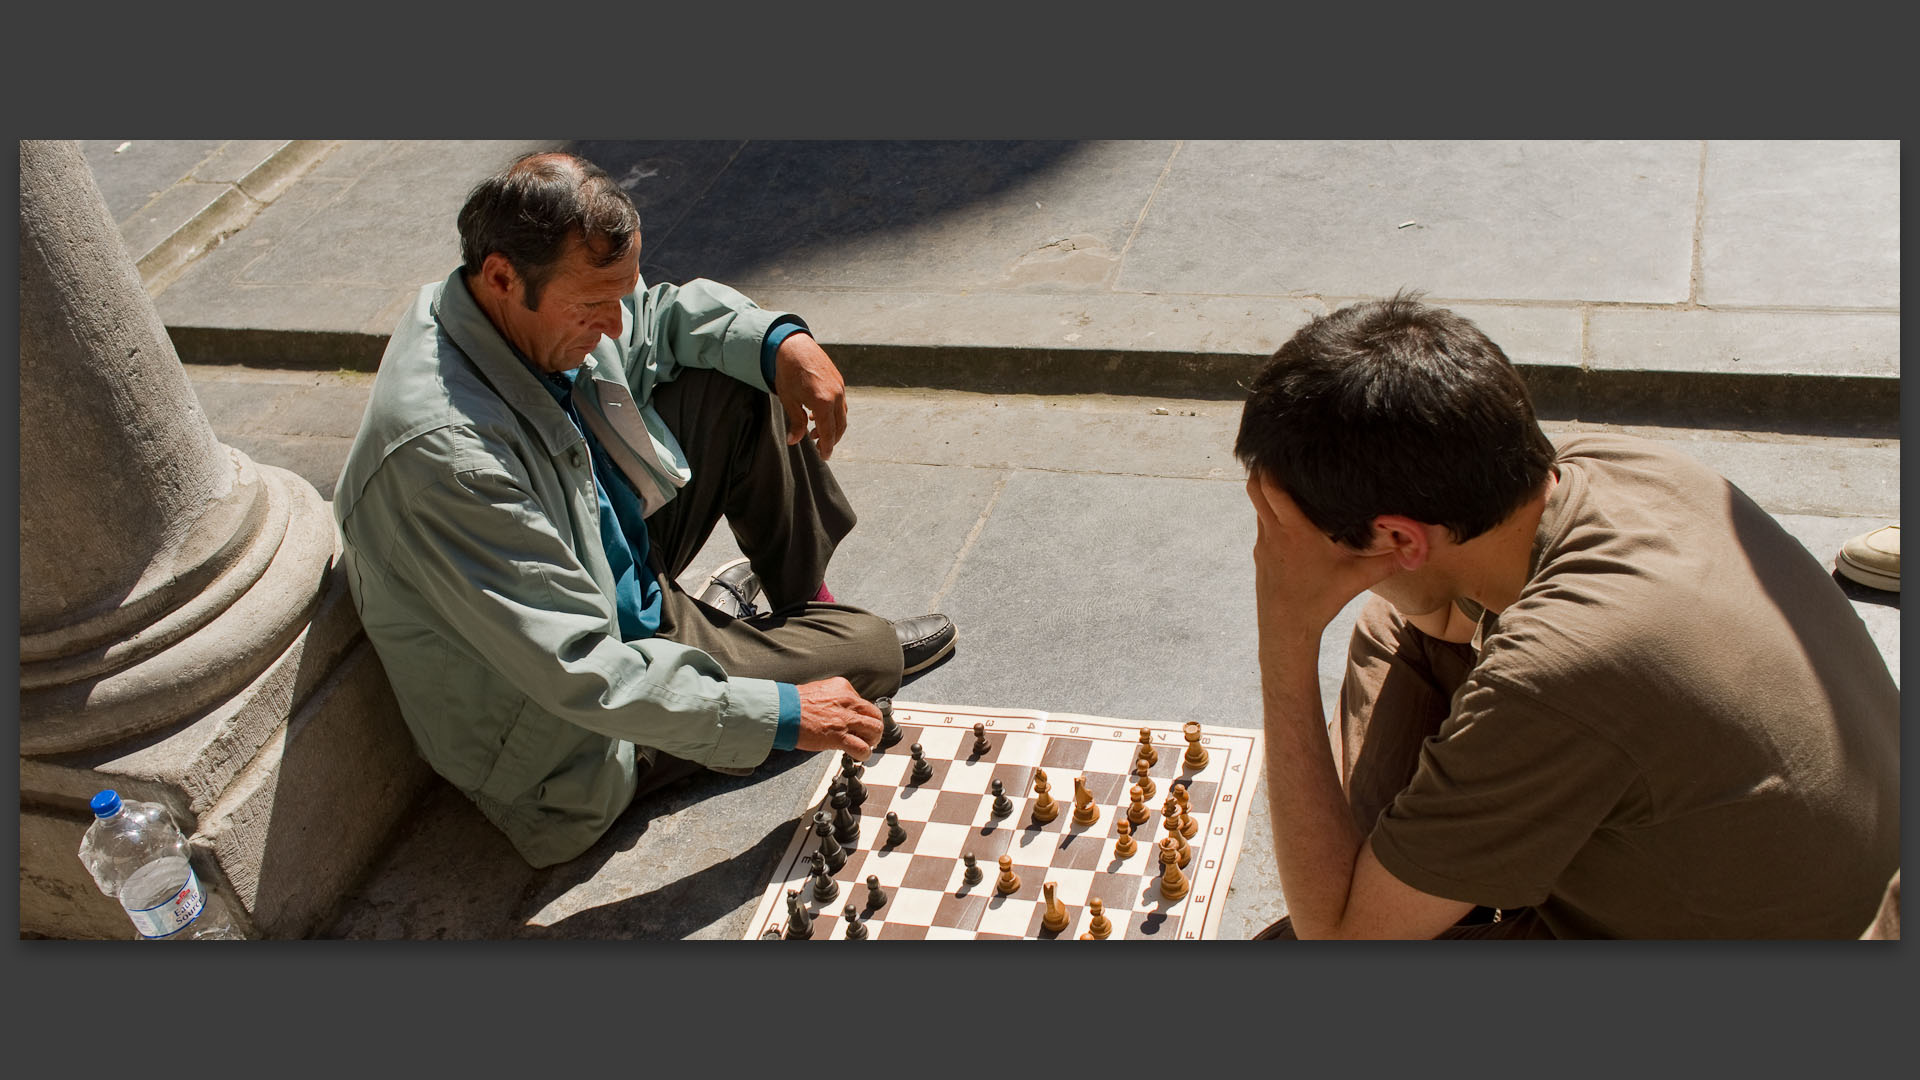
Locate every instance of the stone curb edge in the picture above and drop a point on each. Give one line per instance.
(230, 212)
(1791, 403)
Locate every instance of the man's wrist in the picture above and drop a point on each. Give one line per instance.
(783, 327)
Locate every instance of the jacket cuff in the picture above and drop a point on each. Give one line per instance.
(742, 345)
(787, 735)
(748, 723)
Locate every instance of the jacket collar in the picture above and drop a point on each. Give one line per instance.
(500, 365)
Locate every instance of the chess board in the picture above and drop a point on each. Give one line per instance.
(952, 813)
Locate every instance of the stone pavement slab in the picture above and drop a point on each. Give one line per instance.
(1801, 224)
(1734, 284)
(133, 172)
(1601, 222)
(176, 200)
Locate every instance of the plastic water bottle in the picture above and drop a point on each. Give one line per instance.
(137, 855)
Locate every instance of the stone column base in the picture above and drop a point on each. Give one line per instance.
(289, 790)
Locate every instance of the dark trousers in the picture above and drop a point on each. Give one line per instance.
(787, 514)
(1398, 690)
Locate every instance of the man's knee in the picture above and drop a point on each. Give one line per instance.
(876, 660)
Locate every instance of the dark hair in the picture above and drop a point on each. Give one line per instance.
(529, 210)
(1394, 407)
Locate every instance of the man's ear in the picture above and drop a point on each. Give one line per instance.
(1407, 540)
(498, 278)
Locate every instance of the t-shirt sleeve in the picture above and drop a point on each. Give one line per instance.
(1503, 798)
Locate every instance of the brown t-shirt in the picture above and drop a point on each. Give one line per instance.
(1680, 729)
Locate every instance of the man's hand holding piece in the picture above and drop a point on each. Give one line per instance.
(807, 382)
(833, 716)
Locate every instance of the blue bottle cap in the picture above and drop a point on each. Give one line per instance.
(106, 804)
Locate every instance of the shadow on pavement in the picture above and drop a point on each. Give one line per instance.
(677, 908)
(1861, 594)
(717, 209)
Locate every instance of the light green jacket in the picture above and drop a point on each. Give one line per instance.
(472, 547)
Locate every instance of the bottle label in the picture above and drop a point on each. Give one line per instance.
(173, 914)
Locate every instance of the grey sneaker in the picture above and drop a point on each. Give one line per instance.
(731, 590)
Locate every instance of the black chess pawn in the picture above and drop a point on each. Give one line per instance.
(856, 930)
(825, 889)
(770, 935)
(895, 834)
(972, 875)
(980, 743)
(846, 826)
(922, 768)
(850, 772)
(876, 896)
(799, 921)
(1002, 806)
(890, 730)
(830, 849)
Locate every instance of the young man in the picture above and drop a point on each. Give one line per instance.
(547, 447)
(1598, 691)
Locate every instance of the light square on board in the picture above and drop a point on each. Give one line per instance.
(1008, 915)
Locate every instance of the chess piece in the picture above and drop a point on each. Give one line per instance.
(1170, 816)
(1141, 778)
(1002, 806)
(851, 771)
(981, 746)
(1053, 915)
(1084, 812)
(1188, 826)
(1180, 845)
(922, 768)
(890, 730)
(825, 889)
(856, 930)
(1146, 747)
(1196, 756)
(799, 922)
(830, 849)
(1045, 809)
(895, 834)
(846, 827)
(1008, 882)
(876, 896)
(972, 875)
(1124, 847)
(770, 935)
(1100, 926)
(1173, 884)
(1137, 809)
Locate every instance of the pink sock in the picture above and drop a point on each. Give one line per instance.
(823, 596)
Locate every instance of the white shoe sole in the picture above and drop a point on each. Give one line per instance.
(932, 660)
(1872, 579)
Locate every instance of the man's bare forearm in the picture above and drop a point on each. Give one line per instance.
(1314, 837)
